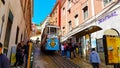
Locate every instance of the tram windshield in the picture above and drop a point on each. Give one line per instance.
(53, 30)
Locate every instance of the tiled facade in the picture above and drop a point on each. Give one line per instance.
(54, 15)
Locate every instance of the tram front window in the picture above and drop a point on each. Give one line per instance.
(53, 31)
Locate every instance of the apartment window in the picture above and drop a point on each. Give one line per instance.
(3, 19)
(56, 20)
(63, 27)
(63, 8)
(69, 11)
(8, 31)
(106, 2)
(75, 1)
(63, 11)
(76, 20)
(69, 4)
(3, 1)
(56, 11)
(85, 12)
(17, 33)
(70, 25)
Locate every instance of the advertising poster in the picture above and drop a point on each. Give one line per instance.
(13, 53)
(112, 50)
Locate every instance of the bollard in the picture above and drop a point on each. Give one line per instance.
(31, 60)
(30, 56)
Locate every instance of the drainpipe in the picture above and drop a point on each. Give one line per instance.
(59, 13)
(93, 9)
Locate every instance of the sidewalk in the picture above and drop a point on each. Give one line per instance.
(83, 63)
(42, 61)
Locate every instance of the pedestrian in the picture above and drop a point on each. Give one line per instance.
(4, 62)
(68, 50)
(37, 42)
(71, 49)
(26, 53)
(62, 49)
(74, 49)
(80, 49)
(22, 52)
(65, 49)
(94, 58)
(18, 55)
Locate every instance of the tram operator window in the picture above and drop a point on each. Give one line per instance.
(52, 30)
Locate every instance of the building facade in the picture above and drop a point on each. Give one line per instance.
(85, 22)
(54, 15)
(15, 23)
(43, 25)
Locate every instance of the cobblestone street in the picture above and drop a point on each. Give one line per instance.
(42, 61)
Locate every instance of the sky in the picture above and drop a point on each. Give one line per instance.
(42, 8)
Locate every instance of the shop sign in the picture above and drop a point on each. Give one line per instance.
(113, 14)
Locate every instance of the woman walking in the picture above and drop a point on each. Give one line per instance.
(18, 55)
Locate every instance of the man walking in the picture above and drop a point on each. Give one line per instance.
(94, 58)
(4, 63)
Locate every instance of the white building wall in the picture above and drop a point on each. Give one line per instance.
(3, 11)
(46, 21)
(112, 22)
(18, 20)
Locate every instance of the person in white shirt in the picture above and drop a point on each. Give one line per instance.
(62, 49)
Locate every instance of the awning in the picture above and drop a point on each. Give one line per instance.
(88, 30)
(81, 30)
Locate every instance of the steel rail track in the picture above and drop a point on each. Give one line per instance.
(62, 62)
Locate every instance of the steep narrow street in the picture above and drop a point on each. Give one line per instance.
(44, 61)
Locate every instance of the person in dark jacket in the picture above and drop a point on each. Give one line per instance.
(94, 58)
(74, 49)
(26, 52)
(18, 55)
(22, 53)
(4, 62)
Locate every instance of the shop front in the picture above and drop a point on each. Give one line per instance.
(90, 34)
